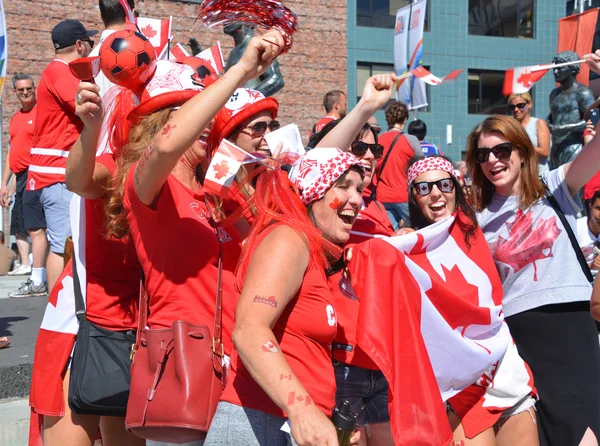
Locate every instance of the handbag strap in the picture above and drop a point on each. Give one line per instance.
(385, 160)
(580, 258)
(79, 304)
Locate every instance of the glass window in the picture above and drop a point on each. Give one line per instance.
(382, 13)
(364, 70)
(501, 18)
(485, 93)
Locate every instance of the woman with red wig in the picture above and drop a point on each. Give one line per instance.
(286, 321)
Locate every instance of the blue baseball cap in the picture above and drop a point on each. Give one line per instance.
(68, 32)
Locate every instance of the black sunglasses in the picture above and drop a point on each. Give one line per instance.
(424, 188)
(501, 151)
(261, 127)
(520, 106)
(360, 148)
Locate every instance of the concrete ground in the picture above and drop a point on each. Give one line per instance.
(20, 320)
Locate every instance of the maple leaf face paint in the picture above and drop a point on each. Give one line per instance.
(436, 205)
(504, 174)
(336, 212)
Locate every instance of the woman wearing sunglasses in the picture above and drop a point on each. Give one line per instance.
(498, 408)
(546, 294)
(520, 105)
(353, 368)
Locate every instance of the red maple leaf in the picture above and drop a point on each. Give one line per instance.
(148, 31)
(525, 80)
(335, 204)
(221, 169)
(524, 245)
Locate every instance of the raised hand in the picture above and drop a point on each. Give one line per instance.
(378, 90)
(593, 61)
(88, 104)
(259, 55)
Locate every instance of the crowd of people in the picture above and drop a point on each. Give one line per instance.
(259, 277)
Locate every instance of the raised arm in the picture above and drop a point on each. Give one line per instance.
(375, 95)
(587, 163)
(84, 176)
(276, 272)
(187, 124)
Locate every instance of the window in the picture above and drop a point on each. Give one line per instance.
(364, 70)
(382, 13)
(501, 18)
(485, 93)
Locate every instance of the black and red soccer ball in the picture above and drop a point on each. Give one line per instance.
(127, 59)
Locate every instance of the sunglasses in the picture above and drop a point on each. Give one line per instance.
(260, 128)
(23, 90)
(360, 148)
(501, 151)
(424, 188)
(520, 106)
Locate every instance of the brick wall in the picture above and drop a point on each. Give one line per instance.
(317, 62)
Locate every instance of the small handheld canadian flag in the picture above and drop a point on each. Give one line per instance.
(157, 31)
(520, 79)
(426, 76)
(224, 165)
(214, 55)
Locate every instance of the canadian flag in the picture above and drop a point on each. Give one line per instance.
(214, 56)
(431, 320)
(427, 77)
(157, 31)
(178, 52)
(224, 165)
(520, 79)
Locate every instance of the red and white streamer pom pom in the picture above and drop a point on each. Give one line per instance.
(267, 14)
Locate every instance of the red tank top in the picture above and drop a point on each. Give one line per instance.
(179, 250)
(372, 220)
(304, 331)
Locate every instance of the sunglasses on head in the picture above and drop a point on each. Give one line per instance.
(520, 106)
(424, 188)
(501, 151)
(360, 148)
(260, 128)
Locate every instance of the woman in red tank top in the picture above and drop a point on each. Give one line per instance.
(285, 321)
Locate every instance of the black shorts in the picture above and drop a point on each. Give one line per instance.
(17, 220)
(33, 212)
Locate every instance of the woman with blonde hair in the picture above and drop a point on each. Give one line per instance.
(520, 105)
(526, 221)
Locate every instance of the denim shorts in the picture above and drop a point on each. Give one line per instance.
(363, 388)
(56, 202)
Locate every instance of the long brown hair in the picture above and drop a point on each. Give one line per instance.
(140, 139)
(512, 131)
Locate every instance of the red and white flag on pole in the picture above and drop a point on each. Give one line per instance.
(214, 56)
(224, 165)
(431, 319)
(427, 77)
(520, 79)
(178, 52)
(157, 31)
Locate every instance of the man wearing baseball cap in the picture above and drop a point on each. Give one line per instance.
(46, 198)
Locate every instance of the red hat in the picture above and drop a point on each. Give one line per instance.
(243, 105)
(171, 85)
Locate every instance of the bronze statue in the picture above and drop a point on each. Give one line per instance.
(568, 103)
(272, 80)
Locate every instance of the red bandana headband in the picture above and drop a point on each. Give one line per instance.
(425, 165)
(316, 172)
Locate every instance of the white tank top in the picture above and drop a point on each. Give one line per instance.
(531, 130)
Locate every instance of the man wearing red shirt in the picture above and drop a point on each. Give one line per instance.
(335, 103)
(21, 134)
(46, 199)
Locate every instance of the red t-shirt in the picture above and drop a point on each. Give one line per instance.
(57, 127)
(372, 220)
(591, 187)
(112, 268)
(21, 131)
(391, 187)
(179, 251)
(322, 123)
(304, 331)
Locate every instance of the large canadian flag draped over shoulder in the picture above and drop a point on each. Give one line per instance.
(431, 319)
(157, 31)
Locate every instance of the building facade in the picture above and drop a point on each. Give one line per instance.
(481, 37)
